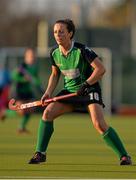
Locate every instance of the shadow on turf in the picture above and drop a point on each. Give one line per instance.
(68, 170)
(83, 164)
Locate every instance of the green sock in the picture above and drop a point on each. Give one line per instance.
(24, 121)
(112, 139)
(44, 134)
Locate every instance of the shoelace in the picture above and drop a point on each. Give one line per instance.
(36, 156)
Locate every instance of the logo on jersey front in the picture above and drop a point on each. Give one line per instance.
(71, 73)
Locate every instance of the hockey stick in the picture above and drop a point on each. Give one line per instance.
(17, 106)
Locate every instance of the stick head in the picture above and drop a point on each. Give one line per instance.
(13, 105)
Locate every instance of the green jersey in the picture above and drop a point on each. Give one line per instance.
(24, 87)
(75, 66)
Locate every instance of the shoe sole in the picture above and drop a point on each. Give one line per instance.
(37, 163)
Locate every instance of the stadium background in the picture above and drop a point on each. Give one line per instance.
(115, 30)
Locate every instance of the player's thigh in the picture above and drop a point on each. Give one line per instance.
(55, 109)
(96, 113)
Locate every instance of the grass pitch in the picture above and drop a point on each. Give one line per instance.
(76, 150)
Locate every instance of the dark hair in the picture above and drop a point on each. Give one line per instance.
(30, 48)
(69, 23)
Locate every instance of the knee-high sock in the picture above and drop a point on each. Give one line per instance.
(112, 139)
(44, 134)
(24, 121)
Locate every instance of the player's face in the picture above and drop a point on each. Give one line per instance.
(29, 57)
(61, 34)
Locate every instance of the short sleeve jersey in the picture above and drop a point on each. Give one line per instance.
(24, 86)
(76, 66)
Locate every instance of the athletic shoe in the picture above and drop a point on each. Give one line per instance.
(37, 158)
(125, 160)
(2, 118)
(23, 131)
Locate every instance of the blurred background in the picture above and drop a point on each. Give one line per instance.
(107, 26)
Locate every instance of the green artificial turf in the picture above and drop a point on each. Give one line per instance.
(76, 150)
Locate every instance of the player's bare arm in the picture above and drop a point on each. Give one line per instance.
(52, 83)
(98, 71)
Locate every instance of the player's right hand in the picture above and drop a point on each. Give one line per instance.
(44, 97)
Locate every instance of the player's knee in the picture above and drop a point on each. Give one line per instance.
(96, 125)
(100, 127)
(47, 115)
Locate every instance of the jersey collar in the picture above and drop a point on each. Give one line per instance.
(72, 45)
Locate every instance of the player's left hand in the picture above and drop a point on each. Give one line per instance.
(84, 89)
